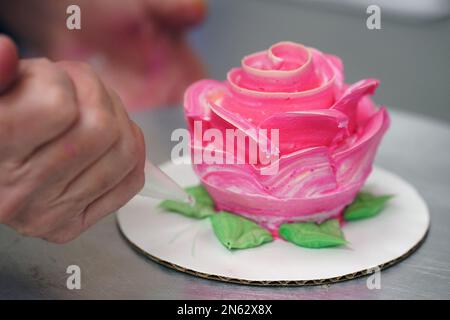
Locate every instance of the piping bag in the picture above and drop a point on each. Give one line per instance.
(160, 186)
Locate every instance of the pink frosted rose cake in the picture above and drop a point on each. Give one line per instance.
(327, 136)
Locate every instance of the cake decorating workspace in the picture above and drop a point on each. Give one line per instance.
(112, 268)
(358, 206)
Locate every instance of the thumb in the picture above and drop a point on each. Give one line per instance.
(9, 61)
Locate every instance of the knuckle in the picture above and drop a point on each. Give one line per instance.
(72, 205)
(60, 104)
(57, 96)
(94, 90)
(105, 179)
(90, 87)
(100, 121)
(103, 126)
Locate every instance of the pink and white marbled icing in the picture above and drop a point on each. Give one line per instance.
(329, 134)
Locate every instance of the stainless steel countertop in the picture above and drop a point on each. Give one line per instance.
(416, 148)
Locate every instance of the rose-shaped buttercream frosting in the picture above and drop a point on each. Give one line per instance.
(329, 132)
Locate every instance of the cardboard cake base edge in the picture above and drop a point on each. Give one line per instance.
(314, 282)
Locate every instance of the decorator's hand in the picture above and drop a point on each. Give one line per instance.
(137, 46)
(69, 154)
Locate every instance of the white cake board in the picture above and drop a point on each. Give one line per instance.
(190, 246)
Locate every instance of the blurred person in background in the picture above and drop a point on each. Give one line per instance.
(138, 47)
(69, 154)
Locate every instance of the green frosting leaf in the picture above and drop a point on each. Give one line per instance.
(236, 232)
(200, 195)
(365, 205)
(313, 235)
(204, 204)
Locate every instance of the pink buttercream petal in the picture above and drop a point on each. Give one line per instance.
(349, 100)
(285, 67)
(296, 84)
(246, 127)
(303, 174)
(365, 110)
(271, 211)
(305, 129)
(197, 96)
(338, 69)
(354, 163)
(234, 120)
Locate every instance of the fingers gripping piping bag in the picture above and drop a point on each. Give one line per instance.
(329, 132)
